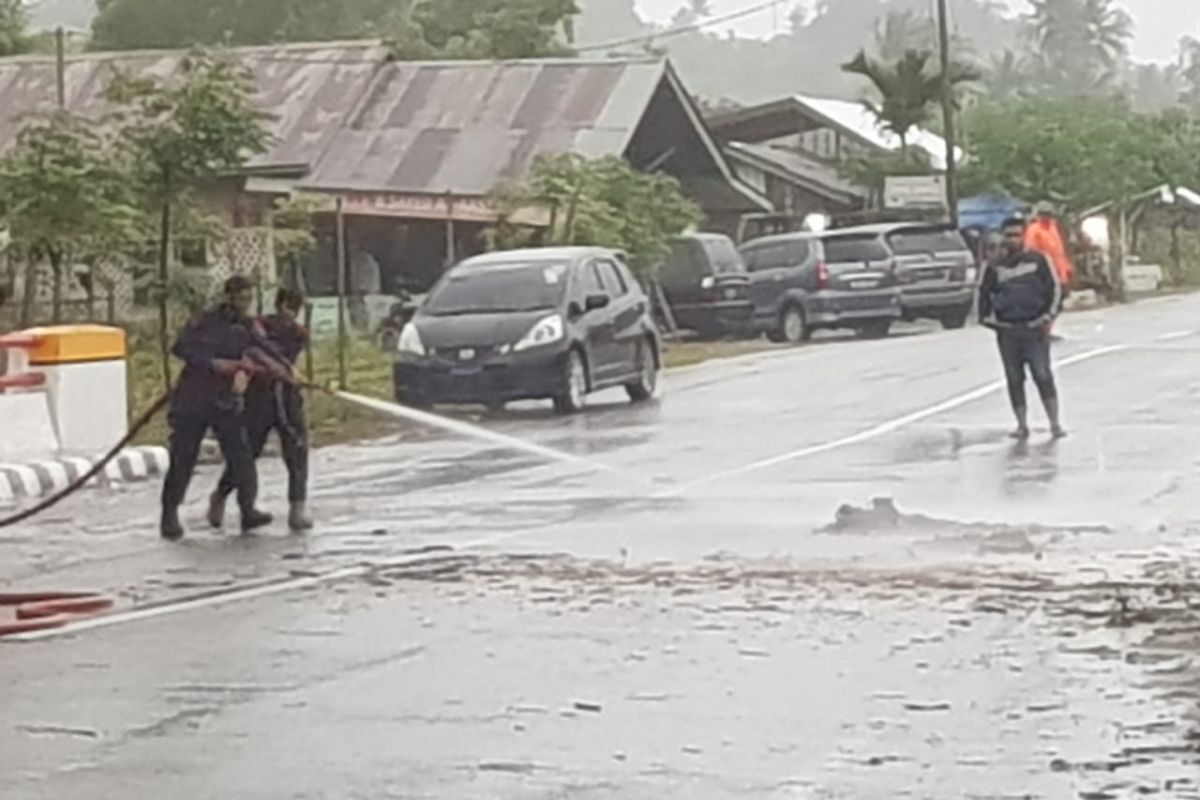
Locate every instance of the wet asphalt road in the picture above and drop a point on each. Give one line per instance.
(692, 619)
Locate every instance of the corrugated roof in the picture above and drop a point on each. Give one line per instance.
(348, 118)
(464, 127)
(308, 88)
(817, 175)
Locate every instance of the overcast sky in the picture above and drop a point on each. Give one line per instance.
(1161, 23)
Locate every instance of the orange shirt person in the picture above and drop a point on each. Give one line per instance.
(1044, 236)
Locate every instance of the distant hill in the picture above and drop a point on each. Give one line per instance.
(71, 14)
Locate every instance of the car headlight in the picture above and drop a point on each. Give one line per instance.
(972, 274)
(410, 341)
(546, 331)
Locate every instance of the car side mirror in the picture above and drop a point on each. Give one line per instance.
(595, 302)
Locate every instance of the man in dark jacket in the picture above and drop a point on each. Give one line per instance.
(1019, 297)
(275, 403)
(217, 349)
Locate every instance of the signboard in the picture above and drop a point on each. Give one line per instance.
(438, 207)
(917, 191)
(1143, 278)
(324, 324)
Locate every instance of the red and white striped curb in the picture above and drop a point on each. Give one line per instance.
(41, 478)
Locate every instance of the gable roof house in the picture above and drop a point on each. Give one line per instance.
(791, 150)
(413, 149)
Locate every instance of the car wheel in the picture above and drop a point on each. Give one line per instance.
(793, 326)
(571, 399)
(956, 320)
(643, 389)
(875, 330)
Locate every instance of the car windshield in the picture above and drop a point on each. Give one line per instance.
(499, 288)
(925, 240)
(852, 249)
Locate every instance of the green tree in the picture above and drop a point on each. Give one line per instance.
(1080, 153)
(908, 88)
(417, 28)
(1079, 45)
(495, 28)
(67, 197)
(179, 130)
(13, 28)
(1189, 70)
(604, 202)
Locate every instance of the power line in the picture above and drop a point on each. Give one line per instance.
(654, 37)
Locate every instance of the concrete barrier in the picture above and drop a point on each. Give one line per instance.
(1143, 278)
(63, 404)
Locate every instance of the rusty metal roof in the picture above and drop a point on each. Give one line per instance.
(348, 118)
(309, 89)
(464, 127)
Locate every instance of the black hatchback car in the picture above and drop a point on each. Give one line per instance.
(553, 323)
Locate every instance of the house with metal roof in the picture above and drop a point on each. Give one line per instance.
(793, 149)
(413, 149)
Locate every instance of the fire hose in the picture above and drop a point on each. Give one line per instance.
(83, 480)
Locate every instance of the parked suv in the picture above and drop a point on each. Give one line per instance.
(706, 285)
(802, 282)
(935, 268)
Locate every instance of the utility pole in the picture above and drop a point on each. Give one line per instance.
(948, 114)
(60, 66)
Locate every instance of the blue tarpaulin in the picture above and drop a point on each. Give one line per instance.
(986, 212)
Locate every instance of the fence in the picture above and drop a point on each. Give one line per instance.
(101, 308)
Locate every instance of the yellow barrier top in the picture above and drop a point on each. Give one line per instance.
(72, 344)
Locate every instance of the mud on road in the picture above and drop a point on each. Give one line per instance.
(743, 679)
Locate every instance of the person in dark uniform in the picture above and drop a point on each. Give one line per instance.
(1019, 297)
(276, 403)
(216, 349)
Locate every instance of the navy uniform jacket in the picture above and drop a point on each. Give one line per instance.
(282, 341)
(213, 347)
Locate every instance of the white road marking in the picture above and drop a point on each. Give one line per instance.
(881, 429)
(309, 581)
(247, 593)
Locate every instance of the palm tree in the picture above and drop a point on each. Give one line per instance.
(1081, 43)
(908, 88)
(1189, 72)
(1006, 76)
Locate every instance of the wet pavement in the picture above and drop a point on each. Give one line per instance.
(818, 573)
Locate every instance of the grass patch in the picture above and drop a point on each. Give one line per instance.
(689, 354)
(368, 372)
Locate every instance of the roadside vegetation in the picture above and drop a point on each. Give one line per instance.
(368, 372)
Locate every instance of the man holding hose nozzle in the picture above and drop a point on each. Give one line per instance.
(216, 348)
(275, 403)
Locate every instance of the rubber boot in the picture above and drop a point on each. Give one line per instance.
(171, 528)
(216, 510)
(299, 520)
(253, 520)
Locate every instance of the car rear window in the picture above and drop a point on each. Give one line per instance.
(724, 256)
(847, 249)
(920, 241)
(777, 255)
(499, 288)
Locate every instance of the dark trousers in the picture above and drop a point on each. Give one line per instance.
(1022, 349)
(280, 410)
(188, 427)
